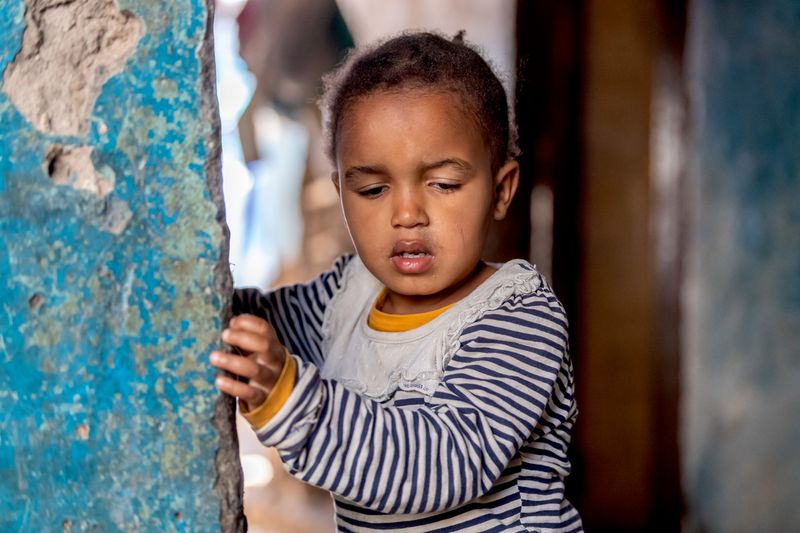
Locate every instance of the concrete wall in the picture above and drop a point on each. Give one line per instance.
(113, 272)
(741, 390)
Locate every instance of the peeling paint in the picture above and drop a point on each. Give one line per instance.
(69, 50)
(72, 166)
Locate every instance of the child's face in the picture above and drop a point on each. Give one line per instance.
(418, 195)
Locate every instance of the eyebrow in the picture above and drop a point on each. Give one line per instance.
(379, 170)
(352, 172)
(460, 164)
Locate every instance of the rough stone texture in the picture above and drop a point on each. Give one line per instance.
(114, 286)
(741, 398)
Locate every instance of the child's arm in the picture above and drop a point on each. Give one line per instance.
(265, 323)
(295, 311)
(510, 379)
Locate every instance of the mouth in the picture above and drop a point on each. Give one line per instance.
(410, 249)
(411, 257)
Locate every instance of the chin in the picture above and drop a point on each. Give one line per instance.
(412, 287)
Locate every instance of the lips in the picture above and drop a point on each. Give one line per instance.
(411, 257)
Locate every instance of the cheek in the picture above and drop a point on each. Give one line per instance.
(362, 221)
(462, 233)
(469, 220)
(353, 213)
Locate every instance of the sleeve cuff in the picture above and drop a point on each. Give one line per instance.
(276, 397)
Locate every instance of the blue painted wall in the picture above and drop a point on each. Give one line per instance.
(741, 390)
(106, 398)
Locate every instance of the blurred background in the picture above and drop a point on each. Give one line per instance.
(660, 196)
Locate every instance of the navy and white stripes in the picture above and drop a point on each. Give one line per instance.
(486, 452)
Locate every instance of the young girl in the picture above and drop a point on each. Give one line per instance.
(424, 388)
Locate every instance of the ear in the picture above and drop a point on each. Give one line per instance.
(505, 185)
(335, 180)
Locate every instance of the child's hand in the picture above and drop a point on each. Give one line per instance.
(261, 360)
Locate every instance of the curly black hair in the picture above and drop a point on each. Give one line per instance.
(424, 60)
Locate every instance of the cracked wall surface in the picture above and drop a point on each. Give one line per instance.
(114, 281)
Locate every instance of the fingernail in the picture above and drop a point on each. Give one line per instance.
(215, 358)
(225, 334)
(218, 382)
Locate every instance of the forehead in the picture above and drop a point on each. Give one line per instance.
(409, 124)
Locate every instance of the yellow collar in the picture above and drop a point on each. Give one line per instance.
(380, 321)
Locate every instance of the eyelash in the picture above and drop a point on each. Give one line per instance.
(374, 192)
(446, 187)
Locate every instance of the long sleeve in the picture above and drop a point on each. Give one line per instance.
(296, 311)
(510, 382)
(276, 398)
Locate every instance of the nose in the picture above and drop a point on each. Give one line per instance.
(408, 209)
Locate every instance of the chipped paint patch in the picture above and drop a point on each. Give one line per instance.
(72, 166)
(69, 50)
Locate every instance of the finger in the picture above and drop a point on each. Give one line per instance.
(240, 366)
(252, 395)
(251, 323)
(249, 342)
(258, 375)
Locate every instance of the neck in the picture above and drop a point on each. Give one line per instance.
(404, 304)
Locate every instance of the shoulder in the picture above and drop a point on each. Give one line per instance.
(341, 263)
(528, 285)
(518, 305)
(535, 298)
(321, 288)
(514, 327)
(516, 282)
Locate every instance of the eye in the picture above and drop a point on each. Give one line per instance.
(373, 191)
(445, 186)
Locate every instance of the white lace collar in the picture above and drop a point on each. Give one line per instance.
(377, 363)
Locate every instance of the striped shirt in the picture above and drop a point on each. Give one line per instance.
(477, 443)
